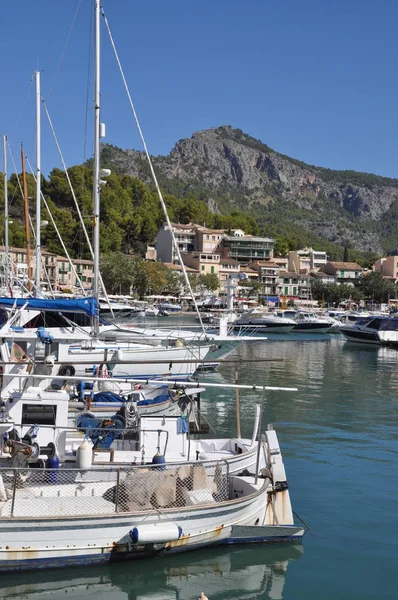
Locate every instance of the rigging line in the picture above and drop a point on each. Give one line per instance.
(23, 105)
(22, 194)
(74, 198)
(64, 48)
(16, 173)
(58, 234)
(160, 195)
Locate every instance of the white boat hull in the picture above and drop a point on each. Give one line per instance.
(29, 542)
(131, 362)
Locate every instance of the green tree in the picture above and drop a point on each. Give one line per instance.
(118, 272)
(209, 282)
(375, 287)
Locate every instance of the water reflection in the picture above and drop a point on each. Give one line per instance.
(241, 574)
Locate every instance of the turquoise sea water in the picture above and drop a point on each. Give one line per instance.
(339, 439)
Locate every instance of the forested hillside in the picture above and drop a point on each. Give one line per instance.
(221, 178)
(229, 169)
(130, 213)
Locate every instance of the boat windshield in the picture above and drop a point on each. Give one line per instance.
(390, 324)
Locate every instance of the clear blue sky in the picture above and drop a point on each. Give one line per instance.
(314, 79)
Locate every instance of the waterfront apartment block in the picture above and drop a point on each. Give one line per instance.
(306, 260)
(56, 271)
(186, 239)
(268, 273)
(195, 238)
(247, 248)
(387, 266)
(344, 272)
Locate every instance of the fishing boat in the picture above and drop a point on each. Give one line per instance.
(95, 507)
(52, 517)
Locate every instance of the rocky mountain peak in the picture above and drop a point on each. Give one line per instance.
(227, 168)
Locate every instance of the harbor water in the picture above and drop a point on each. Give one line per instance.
(339, 440)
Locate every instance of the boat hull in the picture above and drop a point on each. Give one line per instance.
(361, 337)
(66, 541)
(262, 328)
(311, 328)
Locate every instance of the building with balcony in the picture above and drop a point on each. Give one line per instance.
(85, 271)
(202, 262)
(344, 272)
(268, 272)
(186, 239)
(246, 248)
(281, 261)
(306, 260)
(207, 239)
(56, 271)
(229, 267)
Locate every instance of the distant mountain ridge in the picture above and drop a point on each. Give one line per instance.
(228, 168)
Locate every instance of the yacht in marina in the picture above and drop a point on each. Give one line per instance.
(372, 330)
(306, 321)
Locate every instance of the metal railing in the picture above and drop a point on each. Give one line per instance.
(73, 492)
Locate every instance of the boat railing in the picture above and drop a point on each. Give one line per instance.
(31, 493)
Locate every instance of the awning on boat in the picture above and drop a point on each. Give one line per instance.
(89, 306)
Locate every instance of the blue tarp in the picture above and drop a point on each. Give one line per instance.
(89, 306)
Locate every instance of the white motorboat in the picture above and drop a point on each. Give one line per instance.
(376, 330)
(263, 322)
(151, 311)
(306, 321)
(116, 310)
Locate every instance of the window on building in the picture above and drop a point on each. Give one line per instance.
(203, 267)
(212, 270)
(341, 274)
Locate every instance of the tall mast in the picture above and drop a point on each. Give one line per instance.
(6, 265)
(96, 184)
(27, 227)
(38, 184)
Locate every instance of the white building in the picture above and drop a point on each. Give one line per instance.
(306, 259)
(185, 236)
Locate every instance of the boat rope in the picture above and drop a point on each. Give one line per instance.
(58, 232)
(160, 195)
(64, 48)
(33, 283)
(75, 201)
(302, 521)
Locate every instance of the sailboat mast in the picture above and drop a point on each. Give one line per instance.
(6, 249)
(96, 184)
(38, 184)
(27, 227)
